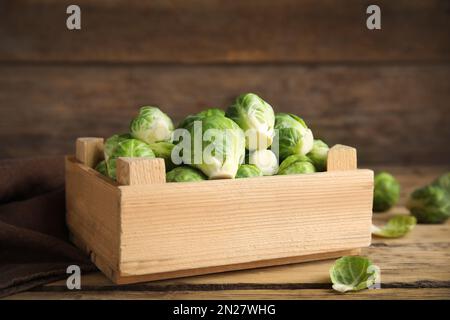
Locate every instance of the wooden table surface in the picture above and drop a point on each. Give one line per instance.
(414, 267)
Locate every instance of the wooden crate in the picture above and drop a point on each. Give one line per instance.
(141, 228)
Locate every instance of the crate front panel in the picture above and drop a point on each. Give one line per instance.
(182, 226)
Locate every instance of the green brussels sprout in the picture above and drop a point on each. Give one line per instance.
(386, 192)
(296, 164)
(199, 116)
(248, 171)
(128, 148)
(265, 160)
(353, 273)
(430, 204)
(443, 182)
(396, 227)
(256, 118)
(212, 112)
(319, 154)
(102, 168)
(112, 142)
(293, 135)
(184, 174)
(222, 147)
(164, 150)
(152, 125)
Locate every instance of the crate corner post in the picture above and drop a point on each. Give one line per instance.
(92, 206)
(140, 171)
(341, 157)
(89, 150)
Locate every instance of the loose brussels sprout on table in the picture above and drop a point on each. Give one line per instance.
(184, 174)
(152, 125)
(430, 204)
(319, 154)
(265, 160)
(224, 150)
(353, 273)
(128, 148)
(386, 192)
(293, 135)
(396, 227)
(443, 182)
(248, 171)
(256, 118)
(296, 164)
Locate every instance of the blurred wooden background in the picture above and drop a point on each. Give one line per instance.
(386, 92)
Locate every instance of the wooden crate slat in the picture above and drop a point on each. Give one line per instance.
(212, 223)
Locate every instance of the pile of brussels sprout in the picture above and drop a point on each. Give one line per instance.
(428, 204)
(250, 140)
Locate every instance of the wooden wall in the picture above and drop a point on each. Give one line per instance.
(386, 92)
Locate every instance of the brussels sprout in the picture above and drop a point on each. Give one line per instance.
(199, 116)
(353, 273)
(293, 135)
(128, 148)
(265, 160)
(256, 118)
(222, 146)
(443, 182)
(184, 174)
(248, 171)
(164, 150)
(296, 164)
(319, 154)
(112, 142)
(386, 192)
(396, 227)
(430, 204)
(102, 168)
(152, 125)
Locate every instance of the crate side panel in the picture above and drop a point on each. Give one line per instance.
(179, 226)
(93, 211)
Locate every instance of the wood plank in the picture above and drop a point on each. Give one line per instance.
(377, 109)
(285, 220)
(306, 294)
(224, 31)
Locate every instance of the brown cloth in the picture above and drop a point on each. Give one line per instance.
(34, 246)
